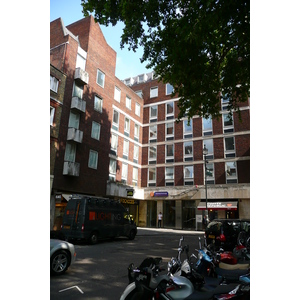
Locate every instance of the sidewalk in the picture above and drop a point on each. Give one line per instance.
(153, 230)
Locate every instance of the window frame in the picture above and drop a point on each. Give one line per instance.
(128, 102)
(230, 127)
(54, 83)
(154, 88)
(229, 152)
(91, 164)
(124, 175)
(188, 180)
(117, 94)
(187, 134)
(170, 85)
(169, 158)
(153, 118)
(98, 133)
(98, 101)
(52, 115)
(152, 158)
(114, 124)
(230, 178)
(102, 73)
(170, 116)
(151, 182)
(207, 131)
(188, 156)
(137, 110)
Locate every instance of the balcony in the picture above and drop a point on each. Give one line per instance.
(71, 168)
(75, 135)
(81, 76)
(78, 104)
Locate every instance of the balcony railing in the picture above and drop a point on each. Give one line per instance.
(78, 104)
(71, 168)
(75, 135)
(81, 76)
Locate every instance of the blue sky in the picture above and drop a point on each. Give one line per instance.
(128, 62)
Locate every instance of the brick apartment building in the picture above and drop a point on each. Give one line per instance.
(119, 139)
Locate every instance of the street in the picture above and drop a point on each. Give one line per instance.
(100, 271)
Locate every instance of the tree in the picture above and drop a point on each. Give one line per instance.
(201, 47)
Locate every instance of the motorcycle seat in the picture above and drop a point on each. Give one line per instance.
(234, 267)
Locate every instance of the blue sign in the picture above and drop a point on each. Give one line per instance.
(161, 194)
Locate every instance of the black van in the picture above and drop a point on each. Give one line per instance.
(91, 218)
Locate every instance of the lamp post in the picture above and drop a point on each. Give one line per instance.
(205, 151)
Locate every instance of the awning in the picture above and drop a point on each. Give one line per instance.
(67, 196)
(218, 205)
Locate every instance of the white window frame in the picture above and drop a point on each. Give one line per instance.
(209, 144)
(152, 154)
(153, 113)
(188, 180)
(117, 94)
(208, 130)
(126, 148)
(128, 102)
(136, 152)
(93, 159)
(53, 84)
(112, 169)
(210, 178)
(136, 132)
(77, 90)
(188, 156)
(96, 129)
(140, 93)
(115, 112)
(154, 92)
(152, 182)
(80, 62)
(137, 109)
(52, 114)
(127, 125)
(124, 172)
(170, 158)
(169, 176)
(102, 82)
(231, 178)
(169, 136)
(168, 85)
(152, 138)
(114, 143)
(74, 120)
(98, 103)
(227, 128)
(187, 133)
(170, 115)
(229, 152)
(135, 176)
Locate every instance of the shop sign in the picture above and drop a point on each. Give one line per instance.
(218, 205)
(130, 193)
(128, 201)
(159, 194)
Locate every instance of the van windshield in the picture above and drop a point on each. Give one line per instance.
(72, 212)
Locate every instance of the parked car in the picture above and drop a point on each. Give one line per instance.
(224, 232)
(62, 255)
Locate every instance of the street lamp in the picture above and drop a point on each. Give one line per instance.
(205, 152)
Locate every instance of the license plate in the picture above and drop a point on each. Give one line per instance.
(67, 227)
(211, 236)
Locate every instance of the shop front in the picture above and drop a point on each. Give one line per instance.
(61, 201)
(132, 206)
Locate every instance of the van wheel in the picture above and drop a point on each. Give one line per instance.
(131, 235)
(94, 238)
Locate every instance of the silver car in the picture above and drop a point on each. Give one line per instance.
(62, 255)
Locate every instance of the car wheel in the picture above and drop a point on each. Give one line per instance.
(59, 262)
(94, 238)
(131, 235)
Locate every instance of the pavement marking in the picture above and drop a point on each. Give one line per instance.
(75, 286)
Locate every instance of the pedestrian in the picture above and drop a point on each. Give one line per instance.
(159, 219)
(204, 222)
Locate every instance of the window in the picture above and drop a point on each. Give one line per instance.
(117, 95)
(152, 155)
(96, 130)
(169, 131)
(112, 169)
(128, 102)
(151, 177)
(225, 101)
(98, 103)
(169, 89)
(187, 129)
(207, 126)
(137, 109)
(115, 120)
(153, 133)
(53, 84)
(100, 78)
(70, 152)
(93, 159)
(188, 151)
(142, 78)
(229, 147)
(188, 175)
(169, 153)
(77, 91)
(227, 123)
(210, 148)
(52, 112)
(153, 92)
(124, 172)
(169, 176)
(125, 149)
(135, 153)
(170, 110)
(74, 120)
(139, 93)
(127, 127)
(153, 113)
(80, 62)
(136, 132)
(135, 173)
(231, 173)
(114, 144)
(210, 177)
